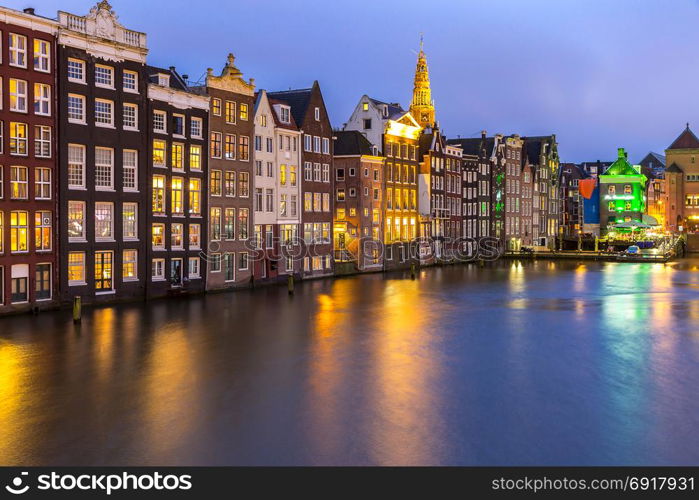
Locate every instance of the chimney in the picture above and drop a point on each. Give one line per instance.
(30, 11)
(484, 133)
(185, 77)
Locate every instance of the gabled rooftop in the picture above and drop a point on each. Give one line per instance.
(686, 140)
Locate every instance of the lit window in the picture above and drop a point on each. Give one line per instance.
(244, 148)
(176, 195)
(194, 196)
(130, 265)
(215, 215)
(229, 147)
(42, 231)
(18, 95)
(215, 144)
(76, 221)
(158, 236)
(194, 157)
(158, 194)
(194, 236)
(129, 215)
(103, 270)
(230, 112)
(76, 268)
(177, 156)
(19, 183)
(215, 184)
(216, 106)
(158, 153)
(243, 111)
(176, 236)
(104, 221)
(42, 55)
(42, 99)
(18, 50)
(19, 231)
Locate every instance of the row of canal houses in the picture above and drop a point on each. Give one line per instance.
(120, 180)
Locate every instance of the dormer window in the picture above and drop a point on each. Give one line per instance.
(285, 114)
(163, 80)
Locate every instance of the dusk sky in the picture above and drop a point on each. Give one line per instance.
(598, 74)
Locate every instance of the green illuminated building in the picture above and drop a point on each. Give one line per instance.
(622, 193)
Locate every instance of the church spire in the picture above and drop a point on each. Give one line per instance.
(422, 107)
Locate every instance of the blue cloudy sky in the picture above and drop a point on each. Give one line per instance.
(599, 74)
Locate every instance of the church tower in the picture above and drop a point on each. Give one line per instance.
(422, 107)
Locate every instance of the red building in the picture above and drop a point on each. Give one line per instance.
(27, 160)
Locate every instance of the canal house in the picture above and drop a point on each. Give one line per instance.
(622, 194)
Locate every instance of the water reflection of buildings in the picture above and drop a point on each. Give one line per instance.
(390, 327)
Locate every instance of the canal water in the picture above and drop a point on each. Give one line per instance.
(521, 363)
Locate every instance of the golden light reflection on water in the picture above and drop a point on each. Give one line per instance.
(168, 395)
(15, 376)
(405, 366)
(399, 367)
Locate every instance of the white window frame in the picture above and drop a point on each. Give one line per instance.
(80, 63)
(83, 236)
(42, 97)
(74, 119)
(83, 265)
(15, 51)
(125, 236)
(163, 114)
(134, 107)
(191, 273)
(42, 141)
(110, 206)
(19, 97)
(110, 104)
(41, 182)
(135, 80)
(108, 70)
(42, 53)
(130, 166)
(79, 147)
(198, 131)
(133, 261)
(110, 165)
(158, 265)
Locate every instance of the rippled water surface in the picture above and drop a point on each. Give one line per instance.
(521, 363)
